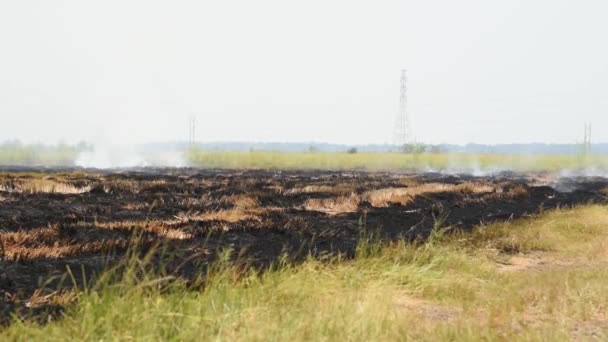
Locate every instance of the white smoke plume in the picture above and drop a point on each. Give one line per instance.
(108, 156)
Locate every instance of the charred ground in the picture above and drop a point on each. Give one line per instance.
(86, 220)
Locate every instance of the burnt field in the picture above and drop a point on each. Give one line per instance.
(85, 221)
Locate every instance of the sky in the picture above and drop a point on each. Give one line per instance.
(482, 71)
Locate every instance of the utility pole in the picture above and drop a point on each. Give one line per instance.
(587, 139)
(192, 131)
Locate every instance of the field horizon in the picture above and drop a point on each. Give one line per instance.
(84, 156)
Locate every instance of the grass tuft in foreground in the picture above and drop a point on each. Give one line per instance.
(538, 279)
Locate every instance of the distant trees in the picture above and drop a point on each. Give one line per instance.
(435, 149)
(413, 148)
(421, 148)
(16, 153)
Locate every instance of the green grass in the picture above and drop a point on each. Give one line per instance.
(61, 155)
(392, 161)
(538, 279)
(64, 155)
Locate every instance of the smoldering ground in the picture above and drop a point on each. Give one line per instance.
(86, 220)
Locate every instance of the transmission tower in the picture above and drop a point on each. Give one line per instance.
(402, 123)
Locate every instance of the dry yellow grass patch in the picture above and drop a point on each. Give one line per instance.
(427, 310)
(511, 192)
(41, 297)
(409, 181)
(243, 201)
(390, 196)
(136, 206)
(228, 215)
(245, 207)
(126, 185)
(42, 185)
(404, 196)
(61, 250)
(54, 242)
(336, 205)
(129, 185)
(50, 242)
(164, 229)
(473, 188)
(343, 188)
(518, 191)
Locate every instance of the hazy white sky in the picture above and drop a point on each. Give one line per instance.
(479, 71)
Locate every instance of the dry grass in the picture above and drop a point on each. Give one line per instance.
(118, 185)
(61, 249)
(42, 297)
(245, 207)
(227, 215)
(43, 185)
(550, 287)
(137, 206)
(391, 196)
(404, 196)
(56, 242)
(388, 196)
(510, 191)
(426, 310)
(242, 202)
(338, 189)
(64, 240)
(336, 205)
(409, 181)
(474, 188)
(517, 192)
(167, 229)
(60, 241)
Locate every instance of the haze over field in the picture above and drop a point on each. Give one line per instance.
(124, 72)
(247, 170)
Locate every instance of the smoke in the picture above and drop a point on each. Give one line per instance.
(107, 156)
(587, 172)
(104, 157)
(566, 178)
(465, 164)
